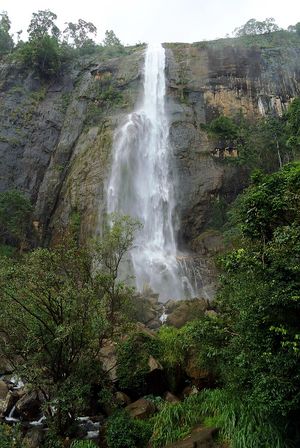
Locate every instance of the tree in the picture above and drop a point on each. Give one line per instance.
(6, 41)
(111, 39)
(293, 125)
(80, 33)
(42, 52)
(43, 24)
(259, 301)
(254, 26)
(54, 318)
(117, 240)
(15, 215)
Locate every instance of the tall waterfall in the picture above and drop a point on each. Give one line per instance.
(140, 185)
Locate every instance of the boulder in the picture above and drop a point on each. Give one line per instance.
(108, 357)
(170, 398)
(141, 409)
(3, 390)
(200, 437)
(29, 406)
(8, 403)
(122, 398)
(34, 438)
(184, 311)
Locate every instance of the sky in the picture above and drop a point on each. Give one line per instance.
(157, 20)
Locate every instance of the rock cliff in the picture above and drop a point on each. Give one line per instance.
(56, 137)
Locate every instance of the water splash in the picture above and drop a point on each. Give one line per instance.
(140, 185)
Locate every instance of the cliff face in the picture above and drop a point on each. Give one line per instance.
(56, 137)
(204, 82)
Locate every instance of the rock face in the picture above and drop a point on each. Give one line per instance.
(204, 81)
(56, 136)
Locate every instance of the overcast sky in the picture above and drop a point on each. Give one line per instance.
(157, 20)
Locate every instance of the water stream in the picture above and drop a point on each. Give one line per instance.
(141, 185)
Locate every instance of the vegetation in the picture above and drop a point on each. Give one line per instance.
(55, 315)
(15, 215)
(126, 432)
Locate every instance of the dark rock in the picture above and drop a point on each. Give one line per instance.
(141, 409)
(29, 406)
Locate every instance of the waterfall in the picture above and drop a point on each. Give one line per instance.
(141, 186)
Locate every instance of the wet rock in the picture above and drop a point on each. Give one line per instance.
(186, 310)
(8, 403)
(141, 409)
(29, 406)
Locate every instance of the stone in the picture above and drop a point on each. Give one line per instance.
(29, 406)
(171, 398)
(122, 398)
(108, 357)
(185, 311)
(153, 364)
(8, 403)
(3, 390)
(200, 437)
(141, 409)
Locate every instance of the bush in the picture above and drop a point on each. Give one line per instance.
(10, 437)
(15, 214)
(42, 54)
(126, 432)
(133, 356)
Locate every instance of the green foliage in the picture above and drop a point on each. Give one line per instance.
(133, 356)
(83, 444)
(6, 41)
(53, 319)
(80, 34)
(10, 437)
(174, 421)
(109, 252)
(15, 214)
(259, 303)
(224, 128)
(254, 26)
(126, 432)
(239, 423)
(43, 54)
(111, 39)
(293, 125)
(43, 24)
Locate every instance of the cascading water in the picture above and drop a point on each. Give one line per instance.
(140, 185)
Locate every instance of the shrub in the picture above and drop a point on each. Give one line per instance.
(126, 432)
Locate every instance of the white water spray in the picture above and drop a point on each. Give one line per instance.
(140, 185)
